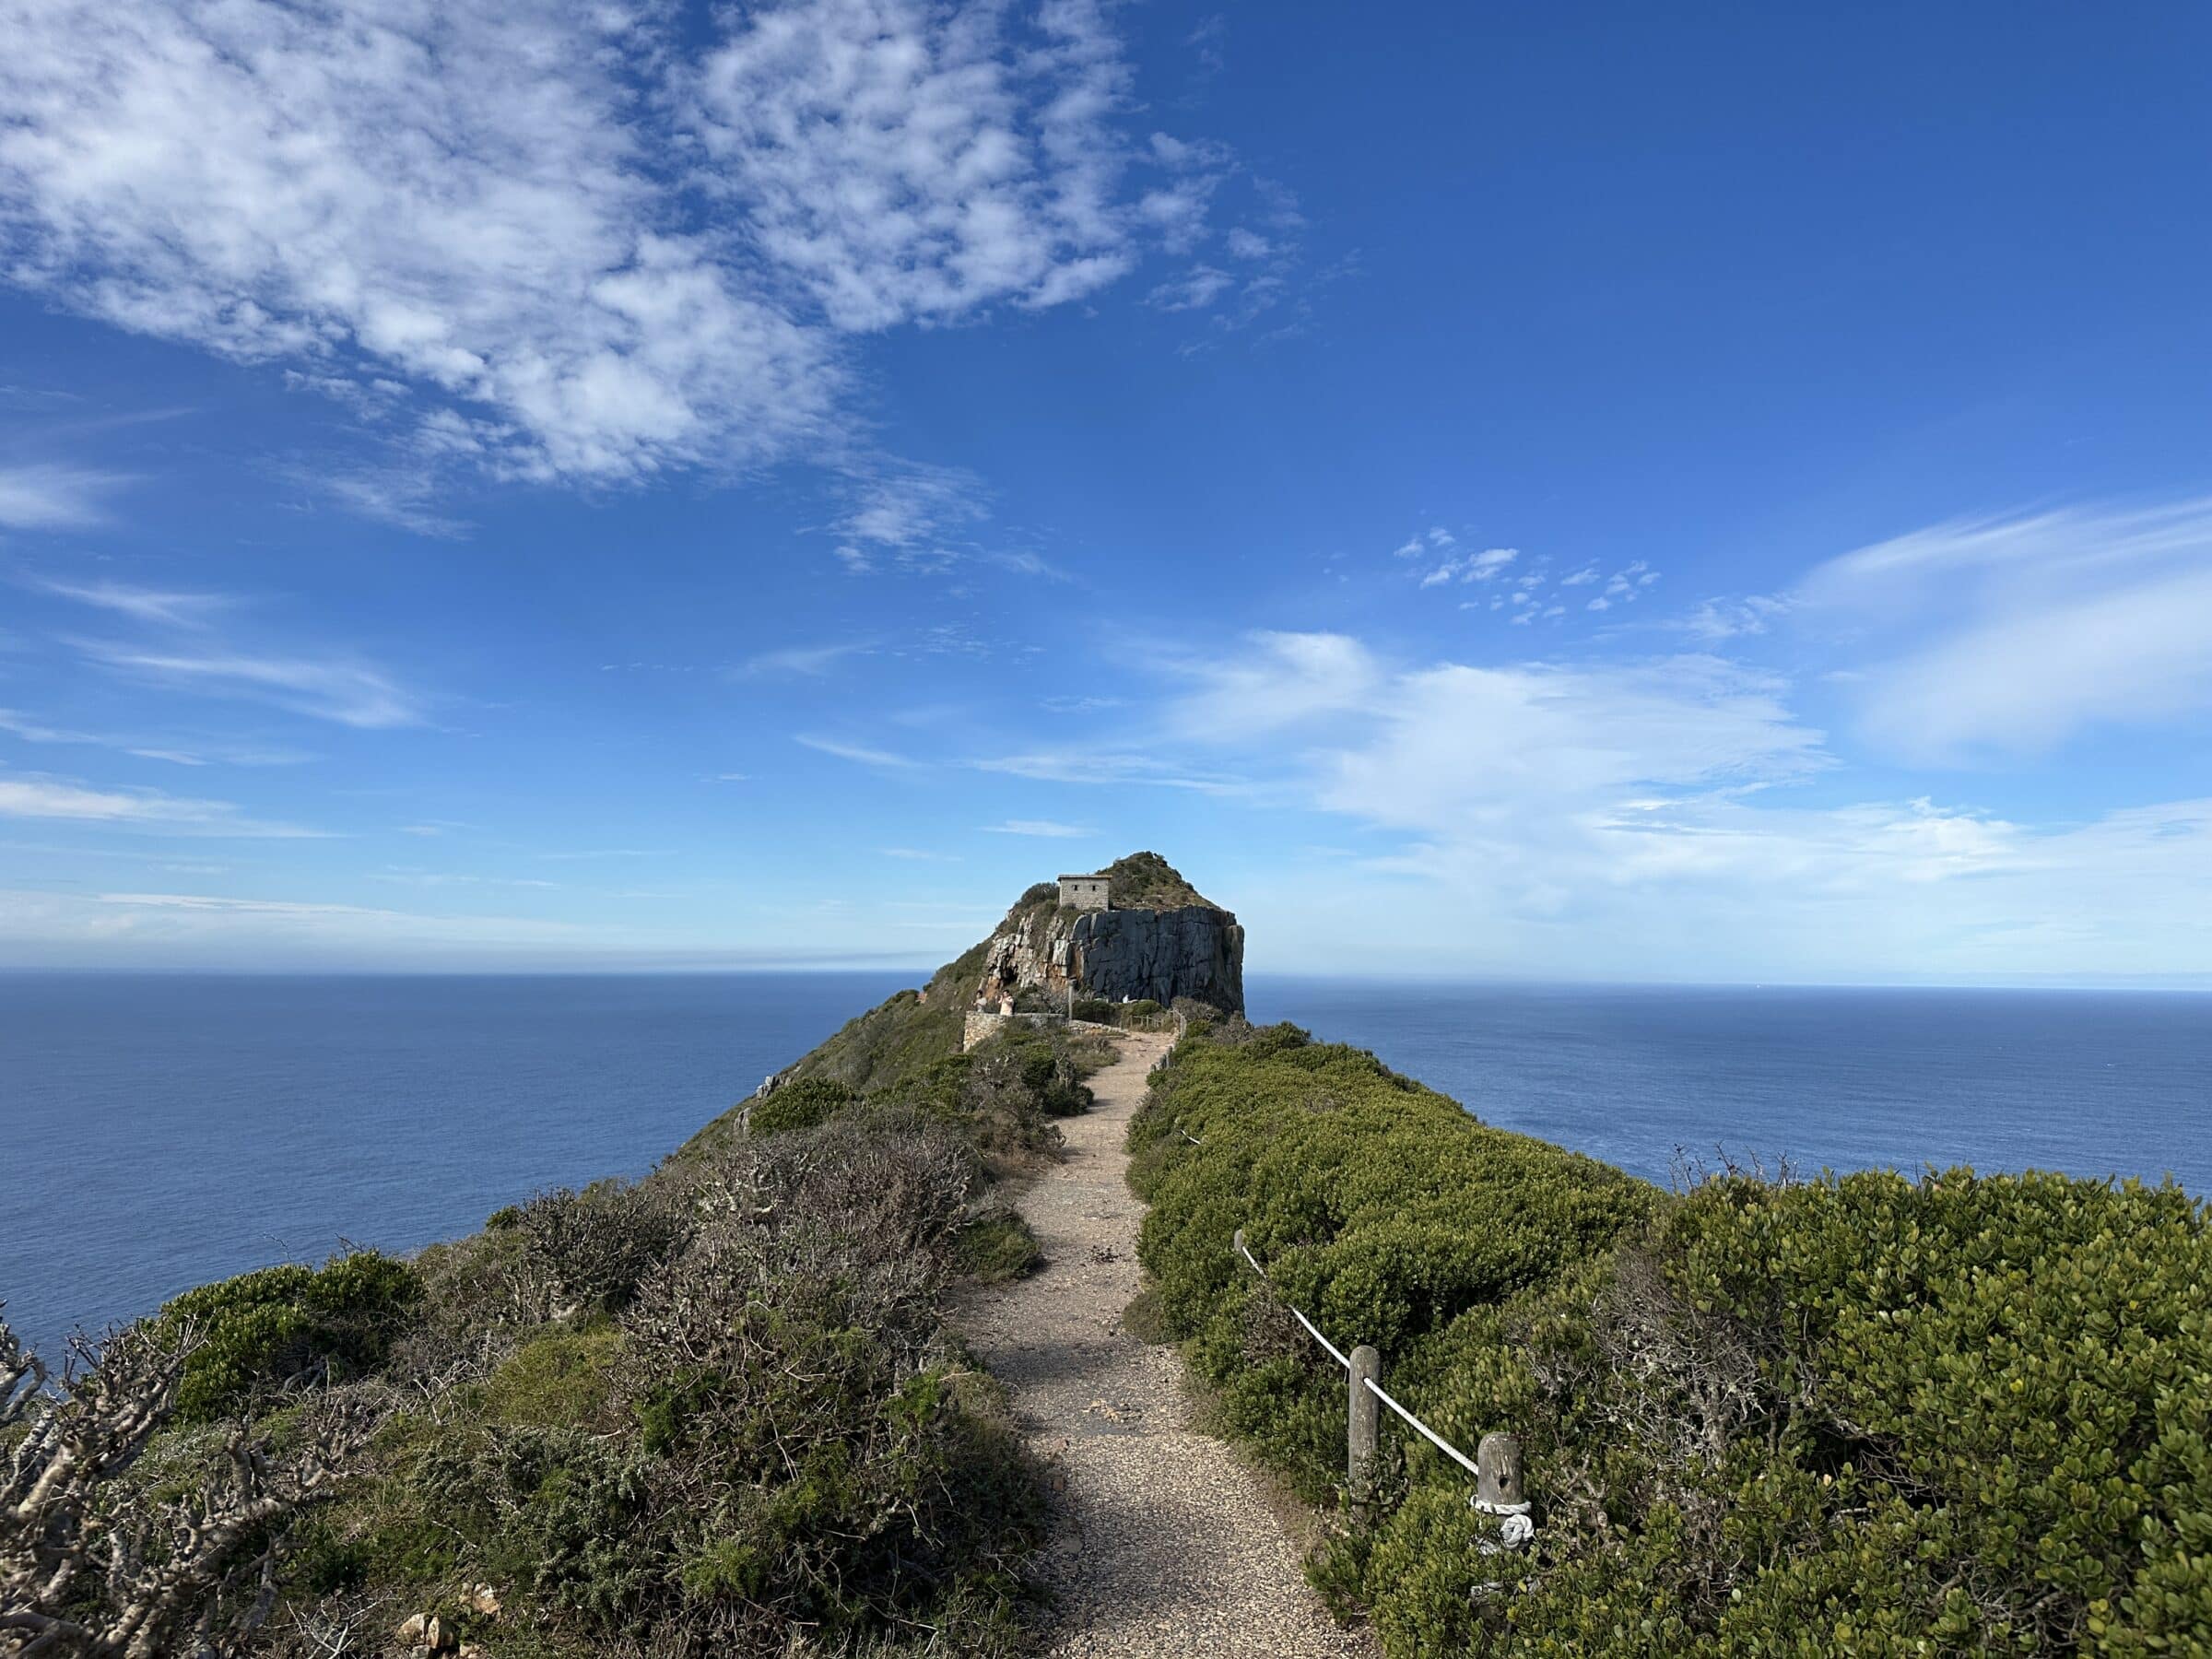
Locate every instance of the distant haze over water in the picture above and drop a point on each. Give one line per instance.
(160, 1132)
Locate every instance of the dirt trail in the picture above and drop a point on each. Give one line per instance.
(1163, 1544)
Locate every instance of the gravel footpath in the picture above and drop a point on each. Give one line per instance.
(1163, 1544)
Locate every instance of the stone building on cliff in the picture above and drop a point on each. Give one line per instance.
(1087, 892)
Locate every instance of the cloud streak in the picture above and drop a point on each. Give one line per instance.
(346, 694)
(860, 753)
(140, 603)
(148, 809)
(31, 730)
(48, 497)
(2009, 636)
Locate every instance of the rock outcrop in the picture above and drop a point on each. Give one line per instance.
(1194, 950)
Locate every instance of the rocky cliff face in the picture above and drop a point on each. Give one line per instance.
(1193, 950)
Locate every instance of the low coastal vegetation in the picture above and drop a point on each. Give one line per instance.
(720, 1411)
(1859, 1415)
(1148, 881)
(713, 1412)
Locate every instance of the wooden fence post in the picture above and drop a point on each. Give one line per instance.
(1363, 1434)
(1498, 1480)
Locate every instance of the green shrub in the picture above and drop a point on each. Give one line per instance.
(995, 1248)
(1148, 881)
(1863, 1415)
(262, 1331)
(1045, 1067)
(803, 1103)
(583, 1253)
(559, 1380)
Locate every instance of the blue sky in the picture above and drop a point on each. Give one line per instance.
(1580, 491)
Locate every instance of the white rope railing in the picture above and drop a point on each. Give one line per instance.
(1434, 1439)
(1335, 1352)
(1518, 1529)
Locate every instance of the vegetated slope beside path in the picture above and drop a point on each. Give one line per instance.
(1163, 1543)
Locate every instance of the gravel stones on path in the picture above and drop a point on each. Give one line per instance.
(1163, 1544)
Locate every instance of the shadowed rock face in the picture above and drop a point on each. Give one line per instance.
(1195, 951)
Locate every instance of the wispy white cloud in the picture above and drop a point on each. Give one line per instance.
(1484, 566)
(161, 928)
(806, 661)
(1627, 584)
(2008, 636)
(349, 694)
(44, 496)
(1714, 621)
(1425, 743)
(1193, 290)
(32, 731)
(860, 753)
(1524, 589)
(403, 875)
(905, 504)
(1064, 703)
(206, 901)
(1281, 679)
(1269, 292)
(1045, 829)
(907, 516)
(1103, 767)
(158, 926)
(142, 603)
(146, 809)
(406, 495)
(202, 752)
(1024, 563)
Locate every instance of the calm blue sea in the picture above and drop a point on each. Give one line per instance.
(2094, 1083)
(155, 1133)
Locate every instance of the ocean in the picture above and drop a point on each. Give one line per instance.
(2090, 1082)
(160, 1132)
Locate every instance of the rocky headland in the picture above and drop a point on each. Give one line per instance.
(1159, 940)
